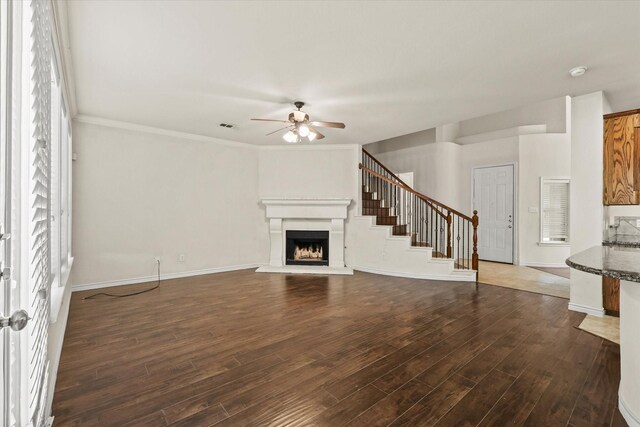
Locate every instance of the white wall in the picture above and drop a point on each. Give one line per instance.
(586, 195)
(489, 153)
(308, 171)
(551, 113)
(139, 194)
(401, 142)
(421, 160)
(541, 155)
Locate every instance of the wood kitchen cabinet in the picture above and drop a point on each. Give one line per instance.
(622, 158)
(611, 296)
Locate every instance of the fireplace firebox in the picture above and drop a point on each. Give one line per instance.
(307, 247)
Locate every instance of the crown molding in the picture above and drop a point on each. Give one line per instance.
(99, 121)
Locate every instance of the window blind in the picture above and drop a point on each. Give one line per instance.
(39, 208)
(555, 210)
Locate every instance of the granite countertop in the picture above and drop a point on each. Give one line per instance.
(616, 261)
(629, 240)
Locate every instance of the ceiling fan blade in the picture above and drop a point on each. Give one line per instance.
(318, 134)
(275, 131)
(272, 120)
(328, 124)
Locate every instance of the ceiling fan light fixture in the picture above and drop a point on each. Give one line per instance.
(303, 130)
(300, 116)
(312, 135)
(290, 137)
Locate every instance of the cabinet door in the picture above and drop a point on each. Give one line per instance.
(611, 295)
(621, 160)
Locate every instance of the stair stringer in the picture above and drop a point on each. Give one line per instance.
(373, 248)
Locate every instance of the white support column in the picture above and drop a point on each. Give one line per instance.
(277, 244)
(336, 243)
(629, 392)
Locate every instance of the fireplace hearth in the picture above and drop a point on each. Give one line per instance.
(307, 247)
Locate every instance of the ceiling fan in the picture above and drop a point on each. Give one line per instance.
(300, 128)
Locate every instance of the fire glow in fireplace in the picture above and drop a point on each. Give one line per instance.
(307, 247)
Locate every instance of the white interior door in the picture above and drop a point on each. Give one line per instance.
(493, 190)
(5, 299)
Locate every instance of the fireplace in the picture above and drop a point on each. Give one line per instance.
(305, 247)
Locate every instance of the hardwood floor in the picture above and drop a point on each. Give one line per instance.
(244, 348)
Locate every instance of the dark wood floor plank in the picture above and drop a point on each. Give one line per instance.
(349, 408)
(392, 406)
(436, 404)
(242, 348)
(597, 400)
(478, 402)
(516, 403)
(555, 405)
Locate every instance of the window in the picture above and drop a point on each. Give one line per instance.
(554, 210)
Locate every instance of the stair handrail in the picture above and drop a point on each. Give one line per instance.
(407, 187)
(385, 168)
(402, 185)
(397, 182)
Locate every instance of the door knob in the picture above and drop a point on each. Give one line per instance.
(16, 322)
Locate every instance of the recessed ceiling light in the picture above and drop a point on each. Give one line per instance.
(578, 71)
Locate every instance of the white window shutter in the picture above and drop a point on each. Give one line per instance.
(39, 206)
(555, 210)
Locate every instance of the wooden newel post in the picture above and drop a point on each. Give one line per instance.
(449, 221)
(474, 257)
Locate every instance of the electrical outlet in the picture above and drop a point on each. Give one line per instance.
(181, 258)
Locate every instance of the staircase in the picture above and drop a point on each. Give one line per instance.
(410, 234)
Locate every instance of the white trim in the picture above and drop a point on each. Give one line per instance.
(99, 121)
(501, 134)
(60, 36)
(555, 244)
(544, 264)
(146, 279)
(586, 309)
(57, 292)
(302, 201)
(455, 276)
(516, 201)
(54, 359)
(632, 419)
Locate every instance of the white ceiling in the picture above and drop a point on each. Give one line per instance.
(383, 68)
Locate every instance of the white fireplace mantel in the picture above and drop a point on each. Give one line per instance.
(308, 214)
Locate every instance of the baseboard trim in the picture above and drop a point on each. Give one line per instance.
(145, 279)
(544, 264)
(586, 309)
(632, 419)
(454, 277)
